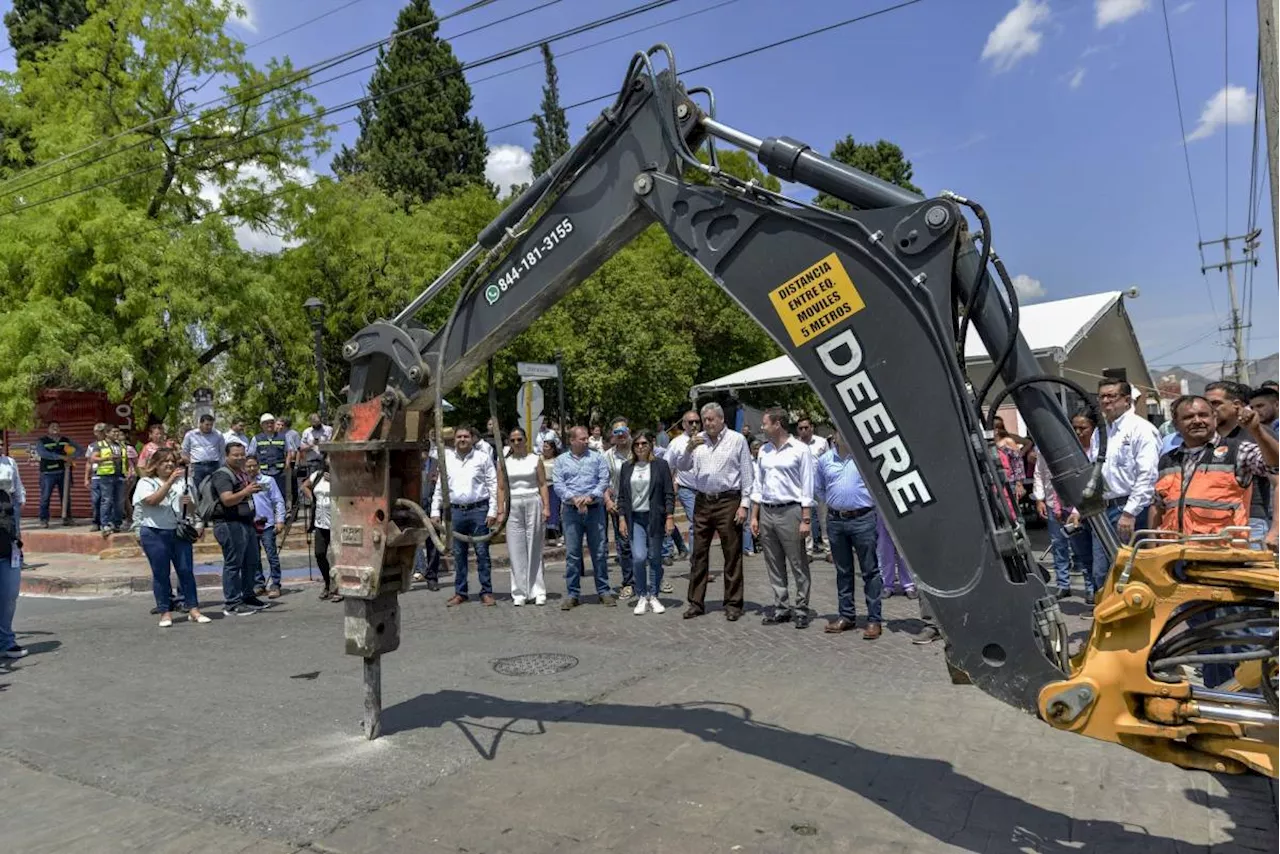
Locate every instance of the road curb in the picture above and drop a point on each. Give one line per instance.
(294, 571)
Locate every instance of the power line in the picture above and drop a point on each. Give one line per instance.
(1186, 153)
(280, 191)
(1155, 360)
(241, 98)
(736, 56)
(506, 54)
(1226, 125)
(302, 24)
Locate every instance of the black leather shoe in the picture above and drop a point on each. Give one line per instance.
(732, 614)
(691, 612)
(775, 618)
(801, 621)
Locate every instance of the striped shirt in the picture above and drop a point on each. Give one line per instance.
(721, 466)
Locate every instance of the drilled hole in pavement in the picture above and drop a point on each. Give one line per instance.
(804, 830)
(535, 664)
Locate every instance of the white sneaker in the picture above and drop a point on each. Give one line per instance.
(656, 606)
(517, 601)
(641, 605)
(540, 600)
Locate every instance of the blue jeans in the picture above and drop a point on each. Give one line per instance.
(240, 562)
(427, 561)
(622, 545)
(1258, 531)
(576, 524)
(108, 493)
(673, 543)
(164, 548)
(10, 584)
(1101, 563)
(1071, 549)
(199, 471)
(49, 481)
(748, 544)
(268, 540)
(847, 537)
(471, 522)
(647, 533)
(686, 497)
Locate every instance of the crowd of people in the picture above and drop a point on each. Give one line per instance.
(788, 496)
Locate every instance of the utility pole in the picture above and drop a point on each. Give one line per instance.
(1236, 326)
(1268, 12)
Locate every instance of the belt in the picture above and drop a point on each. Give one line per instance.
(849, 514)
(735, 494)
(472, 506)
(779, 504)
(1118, 502)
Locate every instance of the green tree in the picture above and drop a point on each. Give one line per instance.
(120, 268)
(36, 24)
(550, 127)
(882, 159)
(366, 257)
(416, 139)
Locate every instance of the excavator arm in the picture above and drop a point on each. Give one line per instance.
(864, 303)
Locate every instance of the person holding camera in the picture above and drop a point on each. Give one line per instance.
(233, 528)
(159, 502)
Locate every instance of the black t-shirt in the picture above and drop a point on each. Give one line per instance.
(224, 481)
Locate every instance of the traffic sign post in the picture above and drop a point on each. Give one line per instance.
(529, 406)
(538, 370)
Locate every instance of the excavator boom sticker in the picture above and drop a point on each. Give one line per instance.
(818, 299)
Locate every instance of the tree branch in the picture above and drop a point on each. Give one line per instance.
(205, 358)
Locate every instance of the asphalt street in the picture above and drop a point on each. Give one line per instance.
(662, 735)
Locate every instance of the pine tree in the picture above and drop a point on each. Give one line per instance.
(883, 159)
(36, 24)
(551, 128)
(416, 139)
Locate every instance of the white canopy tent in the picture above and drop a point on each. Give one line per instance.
(1077, 338)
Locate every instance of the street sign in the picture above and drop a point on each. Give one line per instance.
(529, 407)
(537, 370)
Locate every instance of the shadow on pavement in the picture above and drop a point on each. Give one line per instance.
(928, 794)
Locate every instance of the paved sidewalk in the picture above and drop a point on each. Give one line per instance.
(665, 735)
(85, 575)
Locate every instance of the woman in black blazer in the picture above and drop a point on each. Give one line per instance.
(646, 501)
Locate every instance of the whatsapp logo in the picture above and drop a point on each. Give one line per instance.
(492, 293)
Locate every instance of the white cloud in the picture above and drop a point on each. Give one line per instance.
(1016, 36)
(1231, 105)
(1027, 288)
(507, 165)
(1108, 12)
(249, 21)
(1077, 77)
(1182, 7)
(257, 239)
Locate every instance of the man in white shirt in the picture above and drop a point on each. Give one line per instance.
(781, 515)
(1129, 471)
(236, 433)
(473, 499)
(312, 438)
(719, 463)
(817, 446)
(691, 422)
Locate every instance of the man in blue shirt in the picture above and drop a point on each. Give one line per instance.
(56, 453)
(268, 515)
(580, 479)
(851, 527)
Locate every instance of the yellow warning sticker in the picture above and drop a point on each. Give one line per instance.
(820, 298)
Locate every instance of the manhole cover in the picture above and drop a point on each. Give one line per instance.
(535, 664)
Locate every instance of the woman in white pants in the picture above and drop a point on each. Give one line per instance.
(528, 512)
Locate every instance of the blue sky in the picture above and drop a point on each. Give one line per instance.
(1058, 115)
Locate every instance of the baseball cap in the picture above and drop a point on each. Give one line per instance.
(266, 416)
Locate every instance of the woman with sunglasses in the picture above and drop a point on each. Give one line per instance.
(528, 513)
(646, 504)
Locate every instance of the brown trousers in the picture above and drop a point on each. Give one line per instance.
(709, 518)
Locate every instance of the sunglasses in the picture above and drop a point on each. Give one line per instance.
(620, 432)
(517, 440)
(640, 443)
(693, 422)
